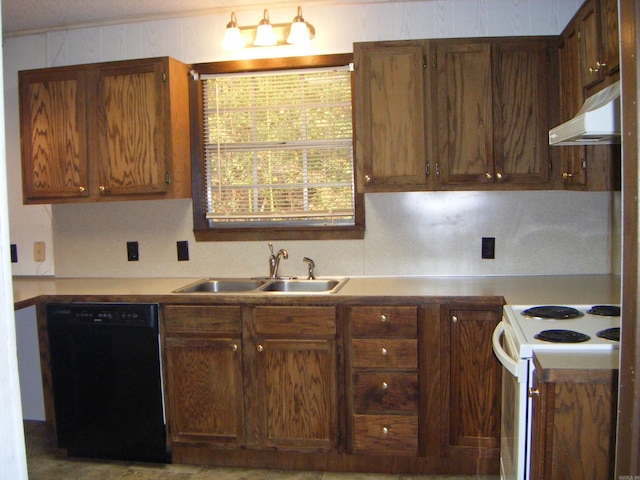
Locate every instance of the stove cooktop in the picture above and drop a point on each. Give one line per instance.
(570, 327)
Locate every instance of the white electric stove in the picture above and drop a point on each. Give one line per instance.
(524, 330)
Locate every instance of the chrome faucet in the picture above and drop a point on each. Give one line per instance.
(274, 260)
(311, 264)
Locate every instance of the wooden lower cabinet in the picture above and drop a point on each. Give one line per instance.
(261, 378)
(470, 379)
(383, 380)
(203, 374)
(373, 386)
(574, 421)
(295, 393)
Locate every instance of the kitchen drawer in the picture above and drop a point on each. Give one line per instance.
(201, 320)
(386, 434)
(391, 353)
(295, 320)
(384, 321)
(396, 392)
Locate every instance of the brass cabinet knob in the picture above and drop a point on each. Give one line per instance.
(367, 179)
(234, 347)
(385, 430)
(454, 319)
(383, 318)
(534, 392)
(488, 175)
(81, 189)
(384, 351)
(385, 385)
(102, 188)
(499, 175)
(260, 348)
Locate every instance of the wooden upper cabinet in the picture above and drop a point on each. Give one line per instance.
(130, 119)
(492, 112)
(520, 112)
(610, 35)
(54, 134)
(390, 116)
(464, 112)
(108, 131)
(599, 44)
(572, 158)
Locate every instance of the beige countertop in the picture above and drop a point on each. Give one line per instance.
(516, 290)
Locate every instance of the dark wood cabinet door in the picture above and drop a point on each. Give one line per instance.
(53, 133)
(132, 136)
(464, 112)
(471, 381)
(205, 381)
(203, 375)
(573, 424)
(295, 393)
(572, 158)
(520, 112)
(610, 32)
(390, 119)
(590, 44)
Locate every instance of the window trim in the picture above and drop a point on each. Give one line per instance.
(201, 228)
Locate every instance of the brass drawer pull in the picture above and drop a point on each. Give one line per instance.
(385, 385)
(384, 351)
(383, 318)
(385, 430)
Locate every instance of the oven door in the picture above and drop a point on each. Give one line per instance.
(515, 420)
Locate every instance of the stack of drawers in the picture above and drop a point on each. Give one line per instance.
(384, 375)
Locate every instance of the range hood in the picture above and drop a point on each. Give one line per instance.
(597, 122)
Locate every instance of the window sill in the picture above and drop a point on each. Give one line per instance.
(250, 234)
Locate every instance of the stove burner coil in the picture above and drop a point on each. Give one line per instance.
(610, 334)
(561, 336)
(605, 310)
(552, 312)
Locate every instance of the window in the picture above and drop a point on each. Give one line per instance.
(274, 151)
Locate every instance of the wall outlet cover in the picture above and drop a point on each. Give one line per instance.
(132, 252)
(488, 247)
(183, 251)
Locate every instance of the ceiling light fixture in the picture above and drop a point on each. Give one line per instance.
(298, 32)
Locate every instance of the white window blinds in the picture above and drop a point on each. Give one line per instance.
(278, 148)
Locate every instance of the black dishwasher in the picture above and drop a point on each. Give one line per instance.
(107, 384)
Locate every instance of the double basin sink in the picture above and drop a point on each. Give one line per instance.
(264, 285)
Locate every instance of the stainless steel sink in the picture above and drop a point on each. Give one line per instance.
(221, 285)
(263, 285)
(304, 286)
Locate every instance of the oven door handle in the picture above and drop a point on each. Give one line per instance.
(515, 367)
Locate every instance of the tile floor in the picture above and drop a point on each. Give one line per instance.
(46, 462)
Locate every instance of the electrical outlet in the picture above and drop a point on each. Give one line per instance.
(488, 247)
(183, 251)
(132, 252)
(38, 252)
(14, 253)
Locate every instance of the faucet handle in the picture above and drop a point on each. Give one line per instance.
(312, 266)
(271, 247)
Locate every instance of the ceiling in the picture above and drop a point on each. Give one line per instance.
(32, 16)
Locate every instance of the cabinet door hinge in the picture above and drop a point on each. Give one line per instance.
(164, 77)
(167, 177)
